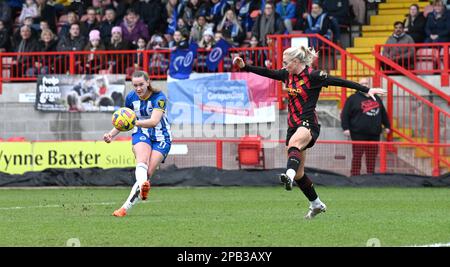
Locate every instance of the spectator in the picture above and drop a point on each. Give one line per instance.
(217, 10)
(253, 56)
(17, 36)
(47, 13)
(93, 62)
(182, 26)
(245, 9)
(47, 43)
(173, 10)
(138, 59)
(122, 6)
(5, 43)
(318, 22)
(27, 44)
(90, 23)
(207, 42)
(151, 11)
(402, 55)
(302, 9)
(116, 63)
(267, 23)
(43, 25)
(180, 41)
(415, 24)
(79, 6)
(116, 41)
(133, 28)
(100, 5)
(29, 9)
(5, 15)
(218, 36)
(72, 18)
(107, 24)
(339, 9)
(362, 119)
(74, 42)
(192, 9)
(231, 29)
(198, 28)
(286, 10)
(359, 10)
(437, 28)
(158, 62)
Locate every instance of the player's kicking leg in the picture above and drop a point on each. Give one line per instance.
(141, 187)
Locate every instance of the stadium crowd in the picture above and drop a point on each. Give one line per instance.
(63, 25)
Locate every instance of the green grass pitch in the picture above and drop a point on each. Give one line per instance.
(224, 216)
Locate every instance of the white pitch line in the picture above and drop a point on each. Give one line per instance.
(433, 245)
(70, 204)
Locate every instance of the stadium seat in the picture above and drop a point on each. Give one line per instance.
(426, 59)
(16, 139)
(251, 152)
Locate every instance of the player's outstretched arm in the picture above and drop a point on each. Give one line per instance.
(280, 75)
(157, 114)
(108, 137)
(331, 80)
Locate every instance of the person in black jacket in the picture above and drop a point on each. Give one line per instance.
(361, 119)
(415, 24)
(303, 85)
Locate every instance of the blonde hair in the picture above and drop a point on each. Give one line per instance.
(46, 31)
(139, 74)
(305, 55)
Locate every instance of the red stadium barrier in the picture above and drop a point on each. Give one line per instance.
(426, 58)
(331, 155)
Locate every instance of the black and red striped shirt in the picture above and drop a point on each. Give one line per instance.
(303, 90)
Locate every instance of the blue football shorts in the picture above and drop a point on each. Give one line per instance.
(161, 146)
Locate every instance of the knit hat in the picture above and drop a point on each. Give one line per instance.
(116, 29)
(208, 31)
(94, 35)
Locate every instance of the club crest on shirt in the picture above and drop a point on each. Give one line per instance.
(161, 103)
(323, 74)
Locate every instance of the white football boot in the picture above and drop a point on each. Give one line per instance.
(314, 211)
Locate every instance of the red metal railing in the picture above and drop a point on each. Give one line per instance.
(405, 67)
(331, 155)
(27, 66)
(425, 58)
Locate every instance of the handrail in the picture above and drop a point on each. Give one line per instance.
(408, 74)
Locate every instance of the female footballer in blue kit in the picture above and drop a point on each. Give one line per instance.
(151, 138)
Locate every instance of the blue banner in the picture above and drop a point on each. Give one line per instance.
(181, 62)
(217, 54)
(172, 27)
(208, 100)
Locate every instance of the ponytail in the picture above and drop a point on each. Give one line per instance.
(304, 54)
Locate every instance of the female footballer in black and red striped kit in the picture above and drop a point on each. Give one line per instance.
(304, 85)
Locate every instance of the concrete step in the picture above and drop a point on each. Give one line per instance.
(400, 5)
(386, 19)
(396, 11)
(402, 1)
(373, 28)
(369, 42)
(357, 51)
(378, 34)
